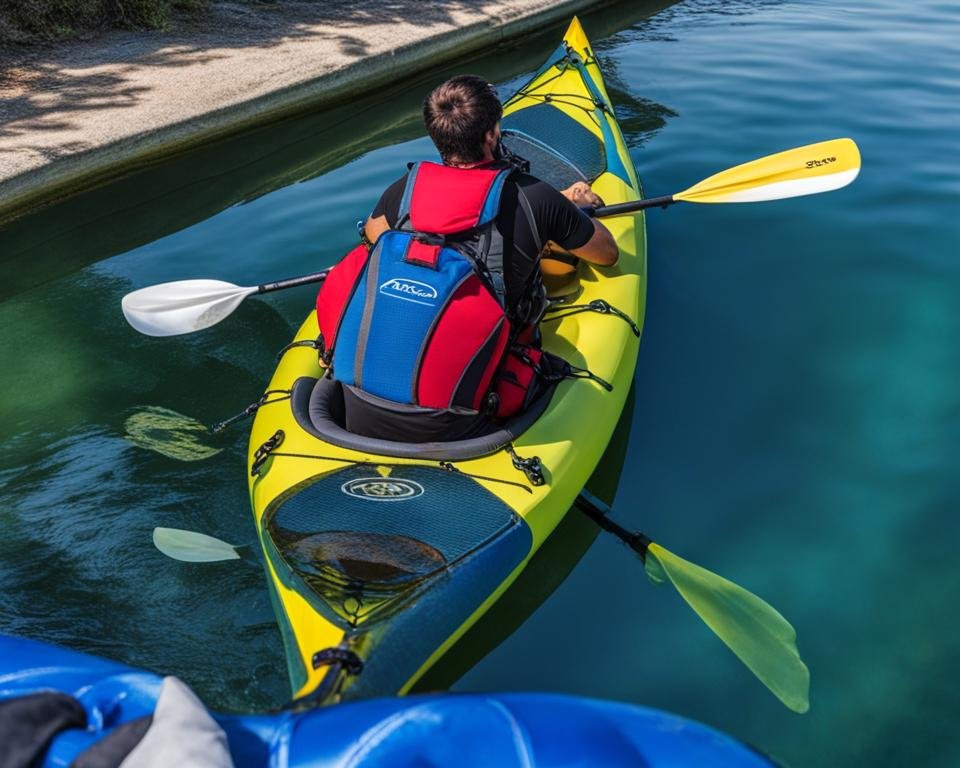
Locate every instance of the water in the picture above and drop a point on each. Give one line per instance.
(796, 425)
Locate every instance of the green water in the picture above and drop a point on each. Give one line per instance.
(797, 417)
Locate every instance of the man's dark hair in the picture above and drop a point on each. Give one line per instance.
(458, 115)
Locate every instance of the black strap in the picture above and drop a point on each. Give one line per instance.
(573, 372)
(528, 214)
(343, 657)
(316, 344)
(532, 467)
(284, 394)
(558, 369)
(29, 723)
(343, 663)
(111, 751)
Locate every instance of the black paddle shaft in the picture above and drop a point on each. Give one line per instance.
(631, 207)
(293, 282)
(599, 512)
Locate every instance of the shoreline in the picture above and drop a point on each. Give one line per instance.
(141, 96)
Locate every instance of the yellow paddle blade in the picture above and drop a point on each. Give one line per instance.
(805, 170)
(759, 636)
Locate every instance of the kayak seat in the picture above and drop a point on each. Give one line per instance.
(318, 409)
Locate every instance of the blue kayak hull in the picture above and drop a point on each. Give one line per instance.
(464, 730)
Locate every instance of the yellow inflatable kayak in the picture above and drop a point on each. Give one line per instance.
(380, 556)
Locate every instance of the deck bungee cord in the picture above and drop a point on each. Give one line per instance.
(559, 311)
(573, 59)
(268, 449)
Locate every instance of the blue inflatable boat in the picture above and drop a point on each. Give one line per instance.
(462, 730)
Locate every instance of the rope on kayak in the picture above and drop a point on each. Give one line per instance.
(269, 447)
(253, 407)
(451, 468)
(597, 305)
(312, 343)
(571, 58)
(573, 372)
(564, 369)
(564, 98)
(531, 467)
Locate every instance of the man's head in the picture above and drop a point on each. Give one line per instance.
(461, 116)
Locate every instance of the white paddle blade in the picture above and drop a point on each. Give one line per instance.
(192, 547)
(183, 306)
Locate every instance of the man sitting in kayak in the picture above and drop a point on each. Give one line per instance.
(418, 330)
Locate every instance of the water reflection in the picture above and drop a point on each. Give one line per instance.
(639, 118)
(80, 498)
(169, 433)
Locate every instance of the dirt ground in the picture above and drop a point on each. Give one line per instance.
(80, 107)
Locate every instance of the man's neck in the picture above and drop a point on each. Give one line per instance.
(457, 163)
(468, 166)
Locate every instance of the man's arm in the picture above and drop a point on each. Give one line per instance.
(385, 211)
(601, 248)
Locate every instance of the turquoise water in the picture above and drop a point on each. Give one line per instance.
(797, 418)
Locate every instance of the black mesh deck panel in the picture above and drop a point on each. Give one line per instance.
(553, 142)
(399, 562)
(360, 540)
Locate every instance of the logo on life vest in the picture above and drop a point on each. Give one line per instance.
(382, 488)
(409, 290)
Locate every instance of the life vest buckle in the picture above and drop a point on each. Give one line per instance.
(428, 238)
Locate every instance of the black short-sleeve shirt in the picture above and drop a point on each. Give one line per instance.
(557, 219)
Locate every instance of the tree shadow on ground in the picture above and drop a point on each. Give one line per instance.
(41, 86)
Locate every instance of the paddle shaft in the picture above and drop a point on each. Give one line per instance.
(293, 282)
(606, 210)
(755, 172)
(630, 207)
(599, 512)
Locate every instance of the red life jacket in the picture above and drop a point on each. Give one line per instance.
(420, 319)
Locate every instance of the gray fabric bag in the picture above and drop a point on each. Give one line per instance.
(182, 734)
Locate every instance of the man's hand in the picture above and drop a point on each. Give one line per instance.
(580, 194)
(601, 248)
(375, 227)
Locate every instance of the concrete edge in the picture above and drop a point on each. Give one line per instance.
(65, 176)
